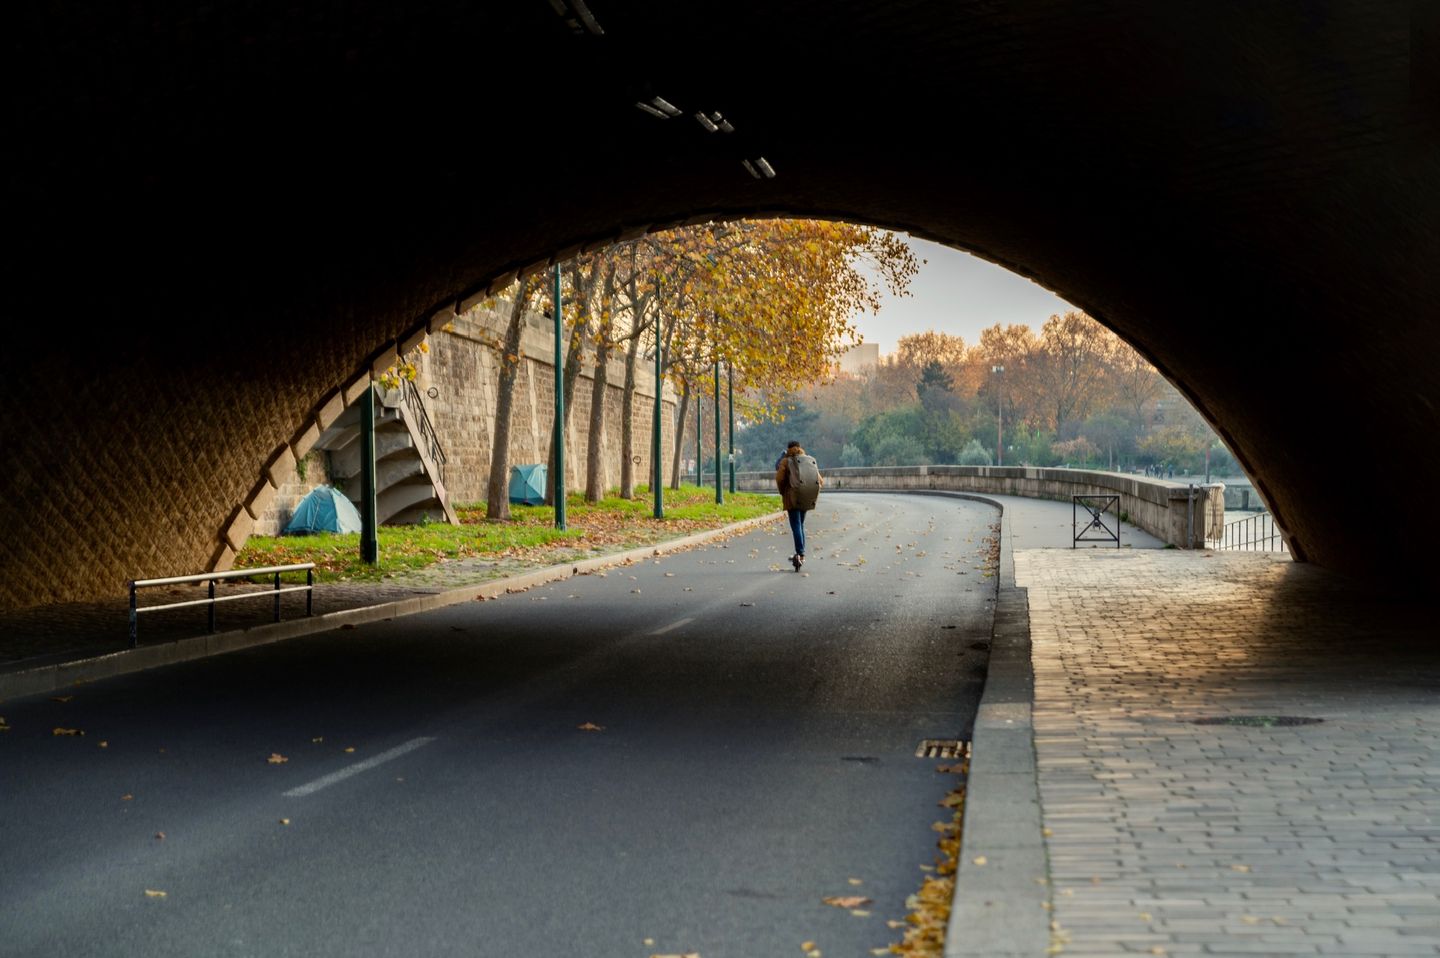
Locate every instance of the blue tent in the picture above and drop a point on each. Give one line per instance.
(325, 509)
(527, 484)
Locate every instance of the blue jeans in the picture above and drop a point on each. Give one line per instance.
(797, 529)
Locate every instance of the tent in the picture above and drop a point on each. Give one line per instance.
(325, 509)
(527, 484)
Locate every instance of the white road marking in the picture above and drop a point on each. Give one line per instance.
(344, 773)
(673, 625)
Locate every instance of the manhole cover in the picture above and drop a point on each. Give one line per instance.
(942, 748)
(1258, 721)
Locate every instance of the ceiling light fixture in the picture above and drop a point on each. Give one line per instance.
(658, 107)
(706, 122)
(749, 168)
(587, 17)
(766, 168)
(581, 11)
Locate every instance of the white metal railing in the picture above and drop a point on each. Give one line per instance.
(212, 600)
(1257, 533)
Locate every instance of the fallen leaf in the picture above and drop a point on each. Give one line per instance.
(746, 604)
(284, 821)
(954, 769)
(668, 575)
(980, 860)
(322, 738)
(160, 836)
(277, 759)
(591, 727)
(104, 744)
(859, 913)
(67, 731)
(1144, 916)
(126, 798)
(807, 945)
(349, 748)
(152, 893)
(895, 924)
(856, 881)
(847, 901)
(632, 591)
(649, 941)
(1239, 868)
(61, 698)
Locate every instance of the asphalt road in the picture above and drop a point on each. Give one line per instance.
(685, 755)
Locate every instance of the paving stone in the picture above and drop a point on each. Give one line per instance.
(1236, 839)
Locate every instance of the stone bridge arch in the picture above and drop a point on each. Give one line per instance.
(226, 215)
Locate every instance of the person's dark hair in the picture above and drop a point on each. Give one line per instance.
(792, 444)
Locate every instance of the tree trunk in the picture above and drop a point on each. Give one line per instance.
(681, 414)
(574, 355)
(497, 494)
(627, 424)
(595, 453)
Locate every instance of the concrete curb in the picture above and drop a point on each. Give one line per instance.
(999, 908)
(52, 676)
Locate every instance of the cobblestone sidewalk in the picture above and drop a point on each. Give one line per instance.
(1182, 813)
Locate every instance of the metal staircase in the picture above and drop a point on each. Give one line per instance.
(409, 461)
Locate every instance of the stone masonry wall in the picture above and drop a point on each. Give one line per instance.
(463, 370)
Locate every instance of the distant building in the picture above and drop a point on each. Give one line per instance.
(857, 360)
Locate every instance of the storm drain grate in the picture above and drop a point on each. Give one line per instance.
(1258, 721)
(943, 748)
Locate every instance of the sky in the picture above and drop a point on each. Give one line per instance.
(959, 294)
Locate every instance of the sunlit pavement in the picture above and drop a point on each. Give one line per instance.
(1237, 754)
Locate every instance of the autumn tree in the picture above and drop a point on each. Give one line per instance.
(497, 493)
(1070, 367)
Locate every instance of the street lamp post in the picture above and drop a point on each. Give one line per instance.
(559, 425)
(655, 443)
(999, 417)
(719, 490)
(730, 392)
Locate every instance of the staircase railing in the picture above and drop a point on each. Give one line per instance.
(1257, 533)
(421, 418)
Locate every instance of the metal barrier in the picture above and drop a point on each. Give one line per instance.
(1257, 533)
(1098, 508)
(212, 577)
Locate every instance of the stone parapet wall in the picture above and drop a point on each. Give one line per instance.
(1161, 508)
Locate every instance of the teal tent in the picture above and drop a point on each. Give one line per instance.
(527, 485)
(325, 509)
